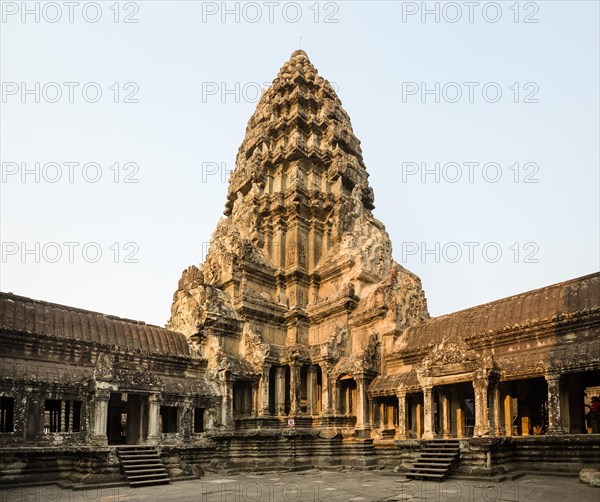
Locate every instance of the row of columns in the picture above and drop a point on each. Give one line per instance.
(100, 417)
(295, 385)
(58, 418)
(487, 416)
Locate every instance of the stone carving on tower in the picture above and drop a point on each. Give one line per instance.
(299, 268)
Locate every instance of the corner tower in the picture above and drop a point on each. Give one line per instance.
(299, 272)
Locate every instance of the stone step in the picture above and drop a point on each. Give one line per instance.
(436, 460)
(432, 464)
(142, 465)
(438, 454)
(130, 461)
(138, 455)
(421, 475)
(440, 470)
(146, 468)
(149, 482)
(134, 465)
(152, 475)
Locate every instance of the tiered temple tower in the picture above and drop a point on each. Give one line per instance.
(299, 291)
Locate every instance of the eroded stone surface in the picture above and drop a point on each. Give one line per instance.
(299, 269)
(590, 476)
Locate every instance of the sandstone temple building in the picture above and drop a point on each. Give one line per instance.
(299, 342)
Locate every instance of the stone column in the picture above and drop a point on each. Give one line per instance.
(362, 405)
(186, 422)
(100, 416)
(382, 415)
(348, 401)
(280, 391)
(211, 417)
(402, 431)
(495, 397)
(508, 418)
(71, 408)
(446, 424)
(460, 423)
(325, 391)
(63, 416)
(153, 418)
(311, 390)
(419, 420)
(428, 426)
(254, 397)
(335, 397)
(554, 418)
(482, 422)
(227, 404)
(264, 390)
(294, 389)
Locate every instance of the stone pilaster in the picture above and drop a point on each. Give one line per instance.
(227, 403)
(554, 416)
(254, 398)
(294, 389)
(101, 398)
(482, 421)
(264, 390)
(362, 404)
(335, 396)
(382, 415)
(325, 391)
(154, 402)
(402, 432)
(311, 389)
(280, 391)
(446, 424)
(495, 408)
(428, 426)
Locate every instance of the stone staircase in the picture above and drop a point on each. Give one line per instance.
(436, 459)
(142, 465)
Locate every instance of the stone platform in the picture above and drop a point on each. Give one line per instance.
(321, 486)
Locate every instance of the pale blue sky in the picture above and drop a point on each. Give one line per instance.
(370, 54)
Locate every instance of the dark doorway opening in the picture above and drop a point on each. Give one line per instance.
(127, 418)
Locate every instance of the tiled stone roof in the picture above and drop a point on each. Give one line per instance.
(25, 315)
(545, 305)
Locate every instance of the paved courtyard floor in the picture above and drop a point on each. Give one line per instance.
(323, 486)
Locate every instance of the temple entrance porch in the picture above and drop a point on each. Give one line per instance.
(454, 410)
(524, 407)
(127, 420)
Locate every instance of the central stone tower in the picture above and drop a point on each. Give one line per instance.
(299, 293)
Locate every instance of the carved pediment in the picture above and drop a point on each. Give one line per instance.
(450, 357)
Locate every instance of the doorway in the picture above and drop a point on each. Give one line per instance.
(127, 418)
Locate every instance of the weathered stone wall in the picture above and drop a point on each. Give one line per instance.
(68, 466)
(266, 450)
